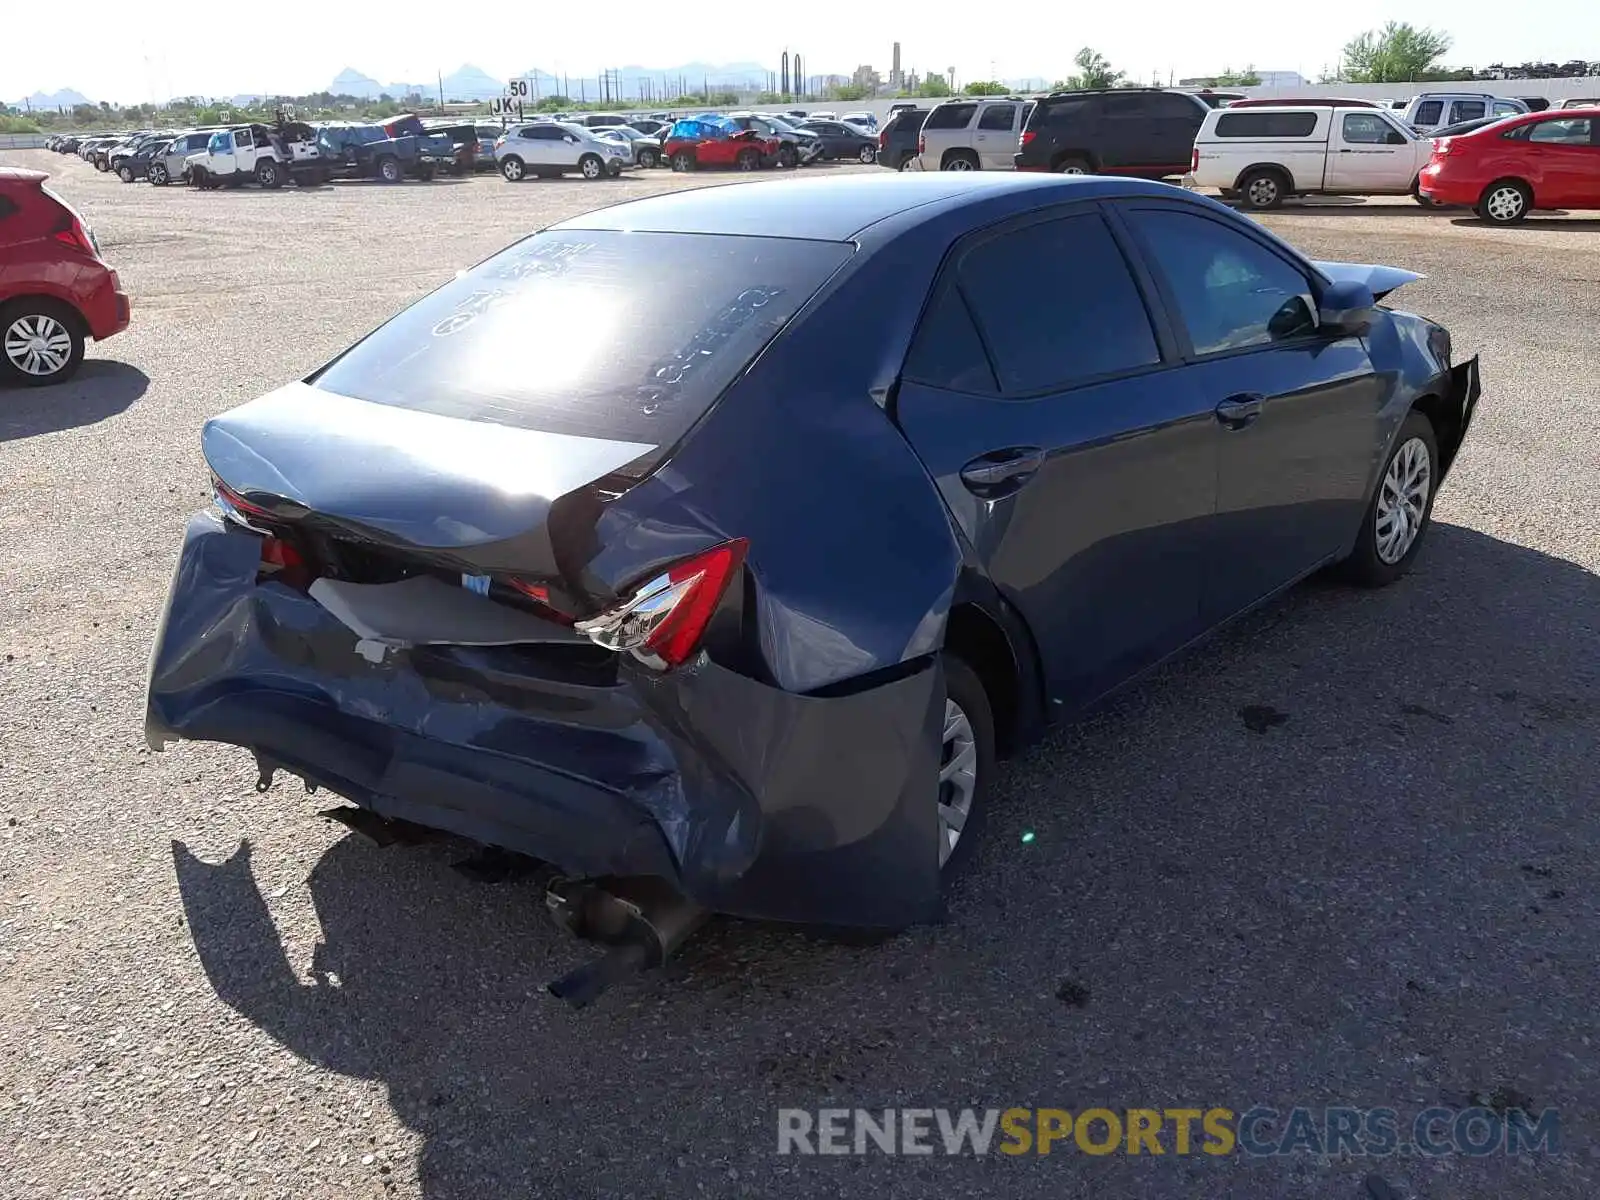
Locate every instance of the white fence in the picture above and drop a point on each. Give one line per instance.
(22, 141)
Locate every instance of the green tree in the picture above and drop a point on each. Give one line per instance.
(553, 103)
(1094, 73)
(1397, 53)
(1232, 78)
(847, 92)
(933, 87)
(986, 87)
(724, 99)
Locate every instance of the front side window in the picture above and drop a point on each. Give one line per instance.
(998, 116)
(1563, 131)
(1231, 291)
(1366, 129)
(219, 144)
(1057, 305)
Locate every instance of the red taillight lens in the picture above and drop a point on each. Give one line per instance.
(1194, 159)
(883, 140)
(1027, 136)
(275, 552)
(922, 143)
(70, 232)
(236, 506)
(662, 623)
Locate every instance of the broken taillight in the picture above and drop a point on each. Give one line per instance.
(662, 622)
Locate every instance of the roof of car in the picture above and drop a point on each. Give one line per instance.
(832, 209)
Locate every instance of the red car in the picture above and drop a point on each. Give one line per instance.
(1547, 159)
(55, 289)
(692, 144)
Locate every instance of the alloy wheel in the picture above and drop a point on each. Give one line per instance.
(592, 168)
(1402, 500)
(511, 169)
(958, 777)
(867, 154)
(958, 164)
(38, 345)
(1505, 203)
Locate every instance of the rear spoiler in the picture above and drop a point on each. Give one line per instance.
(1382, 280)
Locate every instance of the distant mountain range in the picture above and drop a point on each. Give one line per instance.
(473, 83)
(65, 98)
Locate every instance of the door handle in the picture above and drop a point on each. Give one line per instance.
(1001, 472)
(1238, 411)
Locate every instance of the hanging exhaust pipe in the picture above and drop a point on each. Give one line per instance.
(641, 918)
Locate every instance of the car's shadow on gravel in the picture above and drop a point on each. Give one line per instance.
(1303, 865)
(102, 388)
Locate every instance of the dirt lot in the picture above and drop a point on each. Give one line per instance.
(1390, 898)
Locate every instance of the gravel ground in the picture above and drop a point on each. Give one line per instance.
(1388, 899)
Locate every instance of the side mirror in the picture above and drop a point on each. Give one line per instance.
(1346, 307)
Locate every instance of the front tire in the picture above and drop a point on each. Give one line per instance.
(649, 159)
(590, 167)
(966, 764)
(125, 173)
(683, 161)
(41, 342)
(1260, 191)
(867, 156)
(788, 156)
(1505, 202)
(748, 160)
(158, 175)
(1400, 509)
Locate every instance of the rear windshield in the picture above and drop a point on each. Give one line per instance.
(595, 333)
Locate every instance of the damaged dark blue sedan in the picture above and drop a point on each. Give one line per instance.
(726, 537)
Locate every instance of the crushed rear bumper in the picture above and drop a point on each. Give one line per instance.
(748, 799)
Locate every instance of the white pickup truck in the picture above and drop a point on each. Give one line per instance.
(1262, 155)
(270, 156)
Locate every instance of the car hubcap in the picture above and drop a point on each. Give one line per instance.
(591, 168)
(513, 170)
(866, 154)
(1263, 191)
(1505, 203)
(38, 345)
(1402, 501)
(960, 164)
(1072, 169)
(958, 778)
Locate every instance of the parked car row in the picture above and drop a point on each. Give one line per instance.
(1497, 156)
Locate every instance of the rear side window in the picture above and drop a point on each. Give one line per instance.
(1057, 305)
(998, 116)
(947, 351)
(1429, 112)
(1170, 106)
(1467, 110)
(950, 116)
(639, 332)
(1063, 112)
(1564, 131)
(1250, 123)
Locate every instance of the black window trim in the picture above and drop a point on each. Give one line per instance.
(1168, 346)
(1247, 230)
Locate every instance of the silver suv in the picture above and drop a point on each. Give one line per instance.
(977, 134)
(549, 148)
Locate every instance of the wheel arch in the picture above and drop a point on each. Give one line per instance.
(1521, 181)
(1277, 169)
(58, 300)
(958, 152)
(991, 637)
(1061, 156)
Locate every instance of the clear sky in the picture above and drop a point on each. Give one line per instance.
(140, 51)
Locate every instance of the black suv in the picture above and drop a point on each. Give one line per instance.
(897, 140)
(1144, 132)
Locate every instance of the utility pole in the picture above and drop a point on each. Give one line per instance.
(441, 92)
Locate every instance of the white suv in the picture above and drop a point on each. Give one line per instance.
(549, 148)
(973, 134)
(1435, 110)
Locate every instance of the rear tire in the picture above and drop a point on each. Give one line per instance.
(1072, 166)
(41, 342)
(1262, 190)
(389, 169)
(964, 799)
(268, 174)
(959, 160)
(1504, 202)
(1379, 558)
(513, 170)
